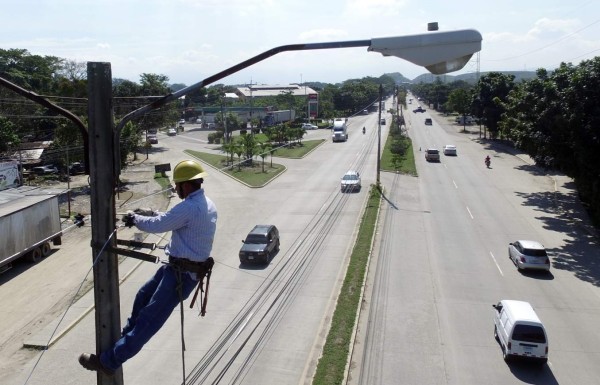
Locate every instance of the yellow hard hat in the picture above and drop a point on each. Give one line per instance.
(187, 170)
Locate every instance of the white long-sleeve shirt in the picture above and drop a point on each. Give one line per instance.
(193, 223)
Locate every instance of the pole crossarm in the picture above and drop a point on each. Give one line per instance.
(231, 70)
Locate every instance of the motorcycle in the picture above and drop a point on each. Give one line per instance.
(364, 130)
(488, 162)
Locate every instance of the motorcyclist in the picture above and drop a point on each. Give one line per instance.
(364, 130)
(487, 161)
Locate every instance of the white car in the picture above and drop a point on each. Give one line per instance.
(308, 126)
(529, 255)
(350, 181)
(449, 150)
(172, 132)
(181, 121)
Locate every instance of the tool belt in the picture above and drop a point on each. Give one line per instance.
(202, 269)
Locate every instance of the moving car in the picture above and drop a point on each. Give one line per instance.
(432, 155)
(172, 132)
(350, 181)
(529, 255)
(152, 139)
(45, 169)
(419, 109)
(308, 126)
(520, 332)
(428, 122)
(181, 121)
(261, 243)
(450, 149)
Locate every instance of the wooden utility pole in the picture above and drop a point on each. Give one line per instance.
(103, 181)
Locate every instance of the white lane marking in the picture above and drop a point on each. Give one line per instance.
(455, 186)
(498, 266)
(470, 212)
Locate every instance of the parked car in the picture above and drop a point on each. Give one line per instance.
(419, 109)
(428, 121)
(450, 149)
(308, 126)
(350, 181)
(172, 132)
(181, 121)
(76, 168)
(432, 155)
(529, 255)
(261, 243)
(45, 169)
(152, 139)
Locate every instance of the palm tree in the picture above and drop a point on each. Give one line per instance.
(264, 151)
(239, 150)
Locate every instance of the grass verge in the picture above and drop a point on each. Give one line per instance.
(332, 364)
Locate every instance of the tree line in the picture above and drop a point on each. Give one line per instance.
(554, 118)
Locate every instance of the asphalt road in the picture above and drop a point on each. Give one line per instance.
(264, 324)
(442, 262)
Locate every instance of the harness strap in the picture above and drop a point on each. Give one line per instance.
(201, 269)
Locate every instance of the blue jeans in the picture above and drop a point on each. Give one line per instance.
(154, 303)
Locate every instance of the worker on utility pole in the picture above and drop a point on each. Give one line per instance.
(193, 224)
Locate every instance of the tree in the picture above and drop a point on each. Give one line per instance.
(8, 135)
(459, 100)
(491, 92)
(264, 150)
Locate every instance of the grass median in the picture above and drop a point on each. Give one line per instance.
(332, 364)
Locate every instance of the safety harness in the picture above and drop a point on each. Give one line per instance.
(201, 269)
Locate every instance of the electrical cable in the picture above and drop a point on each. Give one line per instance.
(72, 302)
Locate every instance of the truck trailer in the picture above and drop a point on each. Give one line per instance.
(28, 223)
(276, 117)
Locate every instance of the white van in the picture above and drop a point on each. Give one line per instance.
(519, 331)
(339, 132)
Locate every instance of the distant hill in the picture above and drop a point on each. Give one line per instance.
(471, 77)
(399, 78)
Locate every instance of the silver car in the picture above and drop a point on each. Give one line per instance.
(529, 255)
(350, 181)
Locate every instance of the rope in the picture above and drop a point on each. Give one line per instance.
(180, 292)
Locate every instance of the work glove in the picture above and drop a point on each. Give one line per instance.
(128, 219)
(146, 212)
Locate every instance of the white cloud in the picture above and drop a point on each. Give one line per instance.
(320, 35)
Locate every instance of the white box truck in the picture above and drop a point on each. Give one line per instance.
(339, 132)
(28, 223)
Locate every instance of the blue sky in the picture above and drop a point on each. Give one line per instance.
(189, 40)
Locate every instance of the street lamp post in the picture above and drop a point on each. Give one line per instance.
(439, 52)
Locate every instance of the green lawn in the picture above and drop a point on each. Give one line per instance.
(253, 176)
(258, 174)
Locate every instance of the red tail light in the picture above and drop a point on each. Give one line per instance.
(547, 261)
(546, 349)
(509, 345)
(523, 259)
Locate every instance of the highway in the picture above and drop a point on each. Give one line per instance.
(439, 262)
(442, 262)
